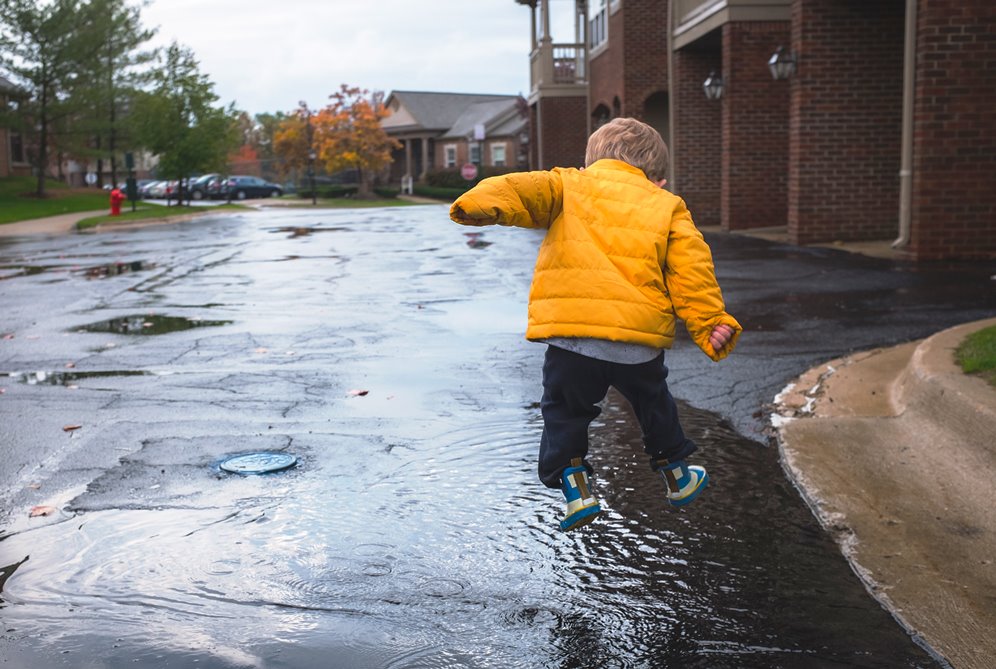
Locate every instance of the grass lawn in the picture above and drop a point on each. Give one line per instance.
(977, 354)
(148, 210)
(18, 203)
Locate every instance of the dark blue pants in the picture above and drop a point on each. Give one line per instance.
(573, 384)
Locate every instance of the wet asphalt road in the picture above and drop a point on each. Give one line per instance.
(413, 532)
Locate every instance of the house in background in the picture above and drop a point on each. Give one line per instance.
(13, 159)
(830, 119)
(446, 130)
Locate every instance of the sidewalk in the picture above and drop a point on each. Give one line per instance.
(895, 452)
(66, 223)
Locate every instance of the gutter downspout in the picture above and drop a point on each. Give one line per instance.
(583, 5)
(906, 161)
(671, 88)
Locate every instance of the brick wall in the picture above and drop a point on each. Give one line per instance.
(846, 114)
(645, 53)
(755, 127)
(697, 136)
(954, 170)
(608, 67)
(564, 126)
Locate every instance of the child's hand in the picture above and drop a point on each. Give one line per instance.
(720, 336)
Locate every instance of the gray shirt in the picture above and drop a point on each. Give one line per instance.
(603, 349)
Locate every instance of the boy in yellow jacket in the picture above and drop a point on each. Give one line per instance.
(620, 262)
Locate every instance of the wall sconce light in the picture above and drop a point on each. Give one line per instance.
(782, 64)
(713, 86)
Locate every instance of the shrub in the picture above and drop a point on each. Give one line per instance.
(450, 177)
(387, 191)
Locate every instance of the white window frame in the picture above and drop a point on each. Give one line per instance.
(598, 24)
(450, 155)
(496, 148)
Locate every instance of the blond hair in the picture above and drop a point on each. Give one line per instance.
(632, 142)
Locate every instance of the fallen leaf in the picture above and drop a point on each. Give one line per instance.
(70, 428)
(2, 391)
(147, 324)
(42, 511)
(358, 393)
(34, 486)
(70, 365)
(72, 387)
(260, 350)
(8, 336)
(291, 352)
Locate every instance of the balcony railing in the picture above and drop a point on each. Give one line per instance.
(557, 64)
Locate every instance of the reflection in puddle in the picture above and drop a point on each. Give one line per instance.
(12, 271)
(69, 378)
(117, 268)
(302, 231)
(475, 240)
(149, 325)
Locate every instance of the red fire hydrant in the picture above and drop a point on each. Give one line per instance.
(116, 198)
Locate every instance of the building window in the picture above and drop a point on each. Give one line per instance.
(16, 148)
(498, 154)
(450, 150)
(598, 23)
(475, 153)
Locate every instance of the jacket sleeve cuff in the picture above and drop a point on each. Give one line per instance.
(700, 335)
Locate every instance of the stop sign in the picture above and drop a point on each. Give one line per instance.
(469, 171)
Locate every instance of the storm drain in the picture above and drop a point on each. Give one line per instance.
(258, 463)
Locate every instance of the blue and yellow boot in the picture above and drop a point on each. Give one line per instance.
(684, 483)
(582, 507)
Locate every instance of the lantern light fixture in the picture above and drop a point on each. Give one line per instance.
(782, 63)
(713, 86)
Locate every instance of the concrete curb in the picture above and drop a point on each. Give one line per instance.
(894, 451)
(934, 385)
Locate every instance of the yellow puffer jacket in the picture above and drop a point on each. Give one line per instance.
(620, 259)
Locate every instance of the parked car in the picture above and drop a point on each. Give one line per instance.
(240, 187)
(156, 190)
(205, 187)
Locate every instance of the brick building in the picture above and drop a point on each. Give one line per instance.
(13, 160)
(881, 124)
(446, 130)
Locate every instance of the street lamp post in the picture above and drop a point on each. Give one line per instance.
(311, 151)
(311, 175)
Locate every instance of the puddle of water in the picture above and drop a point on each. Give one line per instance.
(304, 231)
(447, 554)
(475, 240)
(150, 325)
(69, 378)
(13, 271)
(116, 269)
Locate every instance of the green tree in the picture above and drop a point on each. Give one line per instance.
(42, 46)
(266, 129)
(179, 122)
(113, 76)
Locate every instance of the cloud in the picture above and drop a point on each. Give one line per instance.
(267, 55)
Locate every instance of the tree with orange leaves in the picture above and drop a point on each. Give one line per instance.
(348, 134)
(292, 140)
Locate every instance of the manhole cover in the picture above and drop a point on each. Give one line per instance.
(258, 463)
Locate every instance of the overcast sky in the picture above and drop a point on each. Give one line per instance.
(266, 55)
